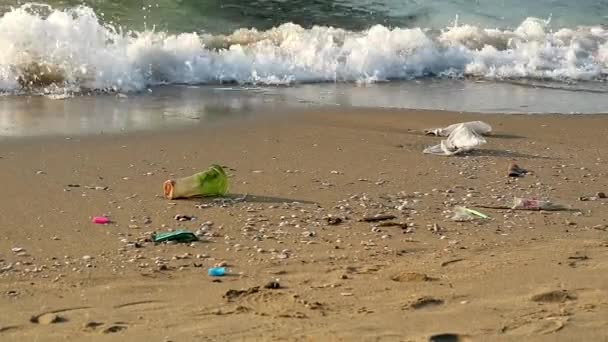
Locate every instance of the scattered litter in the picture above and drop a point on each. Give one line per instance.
(101, 220)
(217, 271)
(177, 236)
(462, 139)
(599, 195)
(515, 171)
(91, 187)
(212, 182)
(376, 218)
(183, 218)
(463, 214)
(478, 127)
(534, 204)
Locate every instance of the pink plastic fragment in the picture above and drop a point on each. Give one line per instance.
(101, 220)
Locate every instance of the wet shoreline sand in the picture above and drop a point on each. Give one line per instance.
(537, 276)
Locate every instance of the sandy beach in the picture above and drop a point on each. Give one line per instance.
(518, 276)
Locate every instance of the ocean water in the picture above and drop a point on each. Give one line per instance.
(65, 48)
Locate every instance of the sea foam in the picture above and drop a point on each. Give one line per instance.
(47, 50)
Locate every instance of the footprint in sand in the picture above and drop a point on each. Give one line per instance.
(116, 328)
(92, 325)
(137, 304)
(411, 277)
(270, 302)
(8, 328)
(557, 296)
(52, 317)
(543, 326)
(423, 302)
(450, 338)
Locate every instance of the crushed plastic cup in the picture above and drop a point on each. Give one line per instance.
(217, 271)
(535, 204)
(212, 182)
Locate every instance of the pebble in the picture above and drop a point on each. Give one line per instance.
(17, 249)
(184, 218)
(87, 258)
(273, 284)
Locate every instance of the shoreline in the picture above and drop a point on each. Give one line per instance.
(220, 119)
(182, 106)
(536, 276)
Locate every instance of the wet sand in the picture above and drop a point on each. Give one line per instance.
(533, 276)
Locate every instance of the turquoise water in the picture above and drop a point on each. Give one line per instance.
(223, 16)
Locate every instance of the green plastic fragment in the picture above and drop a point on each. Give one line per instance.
(178, 236)
(476, 213)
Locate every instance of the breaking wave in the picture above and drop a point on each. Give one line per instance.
(47, 50)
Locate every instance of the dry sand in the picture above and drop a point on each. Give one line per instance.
(521, 276)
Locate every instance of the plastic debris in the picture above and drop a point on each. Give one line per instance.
(217, 271)
(515, 171)
(376, 218)
(478, 127)
(177, 236)
(461, 139)
(599, 195)
(463, 214)
(534, 204)
(101, 220)
(212, 182)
